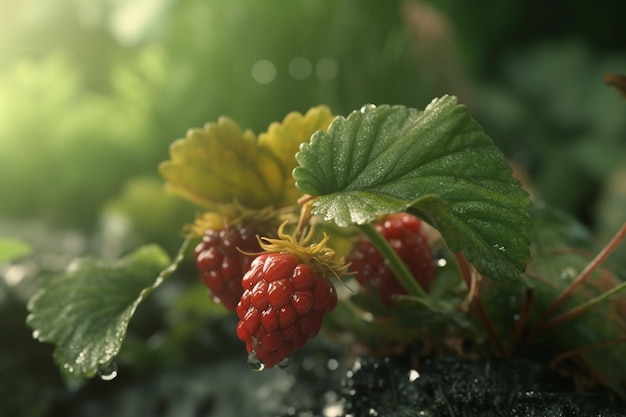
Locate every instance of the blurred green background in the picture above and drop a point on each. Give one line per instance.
(92, 92)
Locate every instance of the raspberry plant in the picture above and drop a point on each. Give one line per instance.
(341, 175)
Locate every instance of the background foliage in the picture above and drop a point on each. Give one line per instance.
(92, 94)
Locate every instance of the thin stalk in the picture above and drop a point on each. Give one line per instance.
(303, 220)
(578, 310)
(398, 267)
(465, 269)
(524, 316)
(554, 362)
(584, 274)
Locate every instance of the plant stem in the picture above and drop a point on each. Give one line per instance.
(554, 362)
(465, 269)
(584, 274)
(576, 311)
(303, 220)
(398, 267)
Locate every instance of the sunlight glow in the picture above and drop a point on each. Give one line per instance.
(132, 19)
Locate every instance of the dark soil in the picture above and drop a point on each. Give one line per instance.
(317, 383)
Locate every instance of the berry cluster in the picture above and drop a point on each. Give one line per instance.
(280, 300)
(406, 235)
(279, 287)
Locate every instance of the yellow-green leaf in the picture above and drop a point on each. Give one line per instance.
(283, 141)
(220, 164)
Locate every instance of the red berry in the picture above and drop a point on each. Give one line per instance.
(282, 306)
(222, 264)
(407, 237)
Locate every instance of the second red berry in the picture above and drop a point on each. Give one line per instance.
(222, 264)
(407, 237)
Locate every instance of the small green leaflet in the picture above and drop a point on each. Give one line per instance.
(85, 312)
(437, 164)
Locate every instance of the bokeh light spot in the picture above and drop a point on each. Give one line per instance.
(326, 69)
(300, 68)
(263, 71)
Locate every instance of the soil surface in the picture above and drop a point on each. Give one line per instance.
(319, 382)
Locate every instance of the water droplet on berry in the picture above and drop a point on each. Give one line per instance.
(285, 362)
(254, 363)
(109, 372)
(367, 107)
(441, 262)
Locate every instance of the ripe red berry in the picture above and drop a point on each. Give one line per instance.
(282, 306)
(222, 264)
(407, 237)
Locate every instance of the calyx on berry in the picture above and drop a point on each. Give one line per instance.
(318, 256)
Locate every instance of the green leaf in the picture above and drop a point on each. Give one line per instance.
(85, 312)
(437, 164)
(11, 249)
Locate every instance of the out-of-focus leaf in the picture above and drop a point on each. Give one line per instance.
(283, 141)
(85, 312)
(11, 249)
(437, 164)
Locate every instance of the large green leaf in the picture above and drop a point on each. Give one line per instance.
(438, 164)
(85, 312)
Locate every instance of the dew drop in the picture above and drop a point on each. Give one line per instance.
(333, 410)
(254, 363)
(499, 247)
(441, 262)
(568, 273)
(36, 334)
(284, 363)
(108, 372)
(367, 107)
(332, 364)
(413, 375)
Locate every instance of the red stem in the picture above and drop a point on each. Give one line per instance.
(524, 315)
(464, 267)
(584, 274)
